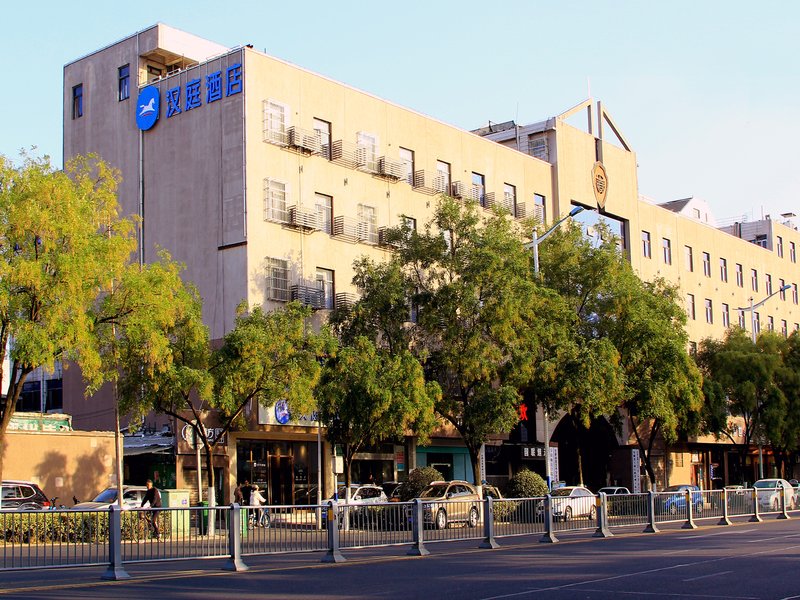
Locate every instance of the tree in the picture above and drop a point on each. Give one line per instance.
(368, 394)
(62, 244)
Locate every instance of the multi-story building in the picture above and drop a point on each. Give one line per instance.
(268, 181)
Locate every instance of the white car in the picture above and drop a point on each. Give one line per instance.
(769, 494)
(131, 498)
(573, 501)
(361, 496)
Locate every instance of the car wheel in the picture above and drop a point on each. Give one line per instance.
(441, 519)
(593, 513)
(568, 514)
(473, 517)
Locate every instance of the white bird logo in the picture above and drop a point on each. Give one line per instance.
(146, 109)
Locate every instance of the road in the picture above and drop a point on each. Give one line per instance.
(744, 561)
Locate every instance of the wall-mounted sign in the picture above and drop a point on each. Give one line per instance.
(599, 184)
(279, 414)
(212, 433)
(533, 452)
(183, 98)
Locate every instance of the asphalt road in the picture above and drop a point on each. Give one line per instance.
(741, 562)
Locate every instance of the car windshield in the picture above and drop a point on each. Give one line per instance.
(766, 483)
(433, 491)
(562, 492)
(108, 495)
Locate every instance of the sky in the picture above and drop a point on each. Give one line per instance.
(704, 91)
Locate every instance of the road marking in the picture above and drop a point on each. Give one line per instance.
(778, 537)
(708, 575)
(728, 532)
(668, 595)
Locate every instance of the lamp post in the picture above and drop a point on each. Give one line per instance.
(752, 308)
(534, 245)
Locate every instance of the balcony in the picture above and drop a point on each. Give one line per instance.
(457, 190)
(303, 218)
(390, 168)
(305, 141)
(520, 211)
(353, 156)
(309, 295)
(345, 228)
(382, 238)
(345, 301)
(423, 183)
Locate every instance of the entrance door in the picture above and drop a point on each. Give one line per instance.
(281, 480)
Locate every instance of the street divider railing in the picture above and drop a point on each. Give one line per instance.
(113, 537)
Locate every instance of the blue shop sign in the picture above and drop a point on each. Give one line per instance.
(183, 98)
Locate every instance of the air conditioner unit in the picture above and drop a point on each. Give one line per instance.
(457, 189)
(390, 168)
(304, 140)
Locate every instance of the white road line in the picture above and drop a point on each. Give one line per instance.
(728, 532)
(667, 595)
(708, 575)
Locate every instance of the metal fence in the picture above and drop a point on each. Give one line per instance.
(64, 538)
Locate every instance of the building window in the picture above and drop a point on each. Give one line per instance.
(794, 293)
(442, 182)
(784, 328)
(409, 223)
(757, 323)
(479, 189)
(768, 278)
(739, 275)
(539, 208)
(760, 240)
(754, 279)
(693, 348)
(666, 247)
(275, 201)
(510, 198)
(325, 284)
(741, 318)
(323, 129)
(275, 122)
(646, 244)
(770, 323)
(367, 224)
(726, 316)
(706, 264)
(689, 258)
(792, 252)
(77, 101)
(124, 89)
(407, 158)
(690, 306)
(367, 152)
(323, 206)
(782, 290)
(709, 311)
(780, 247)
(278, 280)
(723, 269)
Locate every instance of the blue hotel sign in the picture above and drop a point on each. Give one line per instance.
(184, 98)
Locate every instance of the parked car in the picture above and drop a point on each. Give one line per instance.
(570, 502)
(23, 495)
(445, 502)
(619, 500)
(131, 498)
(739, 499)
(361, 496)
(676, 501)
(613, 490)
(769, 494)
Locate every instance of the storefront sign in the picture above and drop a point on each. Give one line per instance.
(40, 422)
(636, 476)
(279, 414)
(212, 433)
(533, 452)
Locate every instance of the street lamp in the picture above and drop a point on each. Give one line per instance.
(534, 245)
(752, 308)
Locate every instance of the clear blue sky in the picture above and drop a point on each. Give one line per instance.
(706, 92)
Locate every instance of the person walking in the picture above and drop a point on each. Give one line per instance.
(238, 497)
(247, 489)
(257, 501)
(152, 498)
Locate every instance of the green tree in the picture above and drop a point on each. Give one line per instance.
(62, 245)
(368, 394)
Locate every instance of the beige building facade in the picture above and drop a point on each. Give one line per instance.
(268, 181)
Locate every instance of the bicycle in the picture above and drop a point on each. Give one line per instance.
(255, 520)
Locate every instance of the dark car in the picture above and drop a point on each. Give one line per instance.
(23, 495)
(675, 502)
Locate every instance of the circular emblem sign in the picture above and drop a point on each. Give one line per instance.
(282, 412)
(147, 108)
(599, 184)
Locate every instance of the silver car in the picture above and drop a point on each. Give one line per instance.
(131, 498)
(769, 494)
(573, 501)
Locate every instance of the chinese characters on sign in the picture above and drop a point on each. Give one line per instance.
(533, 452)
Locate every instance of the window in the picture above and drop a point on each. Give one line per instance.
(278, 280)
(757, 323)
(479, 189)
(689, 258)
(723, 269)
(275, 201)
(407, 158)
(784, 328)
(367, 224)
(538, 208)
(325, 284)
(706, 264)
(323, 129)
(760, 240)
(739, 275)
(666, 247)
(770, 323)
(754, 279)
(409, 222)
(792, 252)
(794, 293)
(726, 316)
(741, 318)
(124, 87)
(780, 247)
(510, 198)
(323, 206)
(768, 278)
(782, 291)
(77, 101)
(646, 244)
(693, 348)
(154, 73)
(709, 311)
(442, 182)
(690, 306)
(367, 152)
(275, 122)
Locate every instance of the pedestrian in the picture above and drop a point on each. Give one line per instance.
(238, 498)
(152, 498)
(247, 489)
(257, 501)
